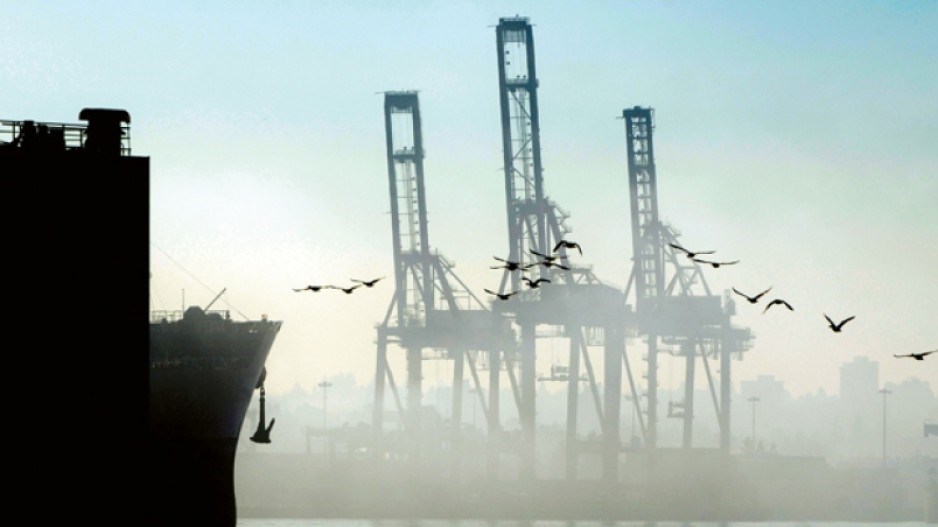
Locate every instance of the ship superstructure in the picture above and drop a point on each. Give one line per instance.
(203, 366)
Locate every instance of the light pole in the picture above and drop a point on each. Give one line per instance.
(473, 392)
(632, 406)
(885, 392)
(325, 388)
(753, 400)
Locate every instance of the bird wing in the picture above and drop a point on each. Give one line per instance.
(564, 267)
(499, 259)
(705, 252)
(539, 254)
(787, 305)
(829, 321)
(757, 297)
(741, 293)
(678, 247)
(698, 260)
(774, 302)
(730, 263)
(929, 352)
(900, 356)
(490, 292)
(543, 280)
(558, 246)
(848, 319)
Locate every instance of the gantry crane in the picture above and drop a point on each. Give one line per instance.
(575, 300)
(431, 309)
(674, 304)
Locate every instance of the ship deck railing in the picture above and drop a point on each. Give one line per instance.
(71, 135)
(166, 316)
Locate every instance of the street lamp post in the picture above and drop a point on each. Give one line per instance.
(473, 392)
(325, 387)
(885, 392)
(753, 400)
(632, 406)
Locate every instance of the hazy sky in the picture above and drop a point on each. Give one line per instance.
(798, 137)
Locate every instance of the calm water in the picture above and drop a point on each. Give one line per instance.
(248, 522)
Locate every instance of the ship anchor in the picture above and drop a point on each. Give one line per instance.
(262, 434)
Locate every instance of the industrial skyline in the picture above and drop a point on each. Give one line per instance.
(797, 139)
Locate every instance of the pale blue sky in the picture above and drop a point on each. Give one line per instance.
(799, 137)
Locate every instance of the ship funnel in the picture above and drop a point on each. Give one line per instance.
(104, 132)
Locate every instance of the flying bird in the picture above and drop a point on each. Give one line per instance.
(367, 283)
(568, 245)
(916, 356)
(534, 284)
(510, 265)
(548, 258)
(778, 301)
(501, 296)
(348, 290)
(837, 327)
(715, 264)
(315, 288)
(689, 254)
(550, 264)
(751, 299)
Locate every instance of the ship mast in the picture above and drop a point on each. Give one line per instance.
(216, 298)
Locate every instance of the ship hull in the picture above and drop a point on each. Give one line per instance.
(193, 482)
(203, 373)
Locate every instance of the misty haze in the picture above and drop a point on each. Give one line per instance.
(429, 264)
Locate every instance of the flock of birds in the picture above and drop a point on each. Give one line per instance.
(836, 327)
(545, 260)
(553, 260)
(346, 290)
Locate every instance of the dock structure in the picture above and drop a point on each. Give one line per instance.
(583, 308)
(432, 314)
(674, 305)
(546, 292)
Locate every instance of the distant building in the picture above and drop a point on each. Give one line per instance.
(859, 381)
(859, 421)
(767, 388)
